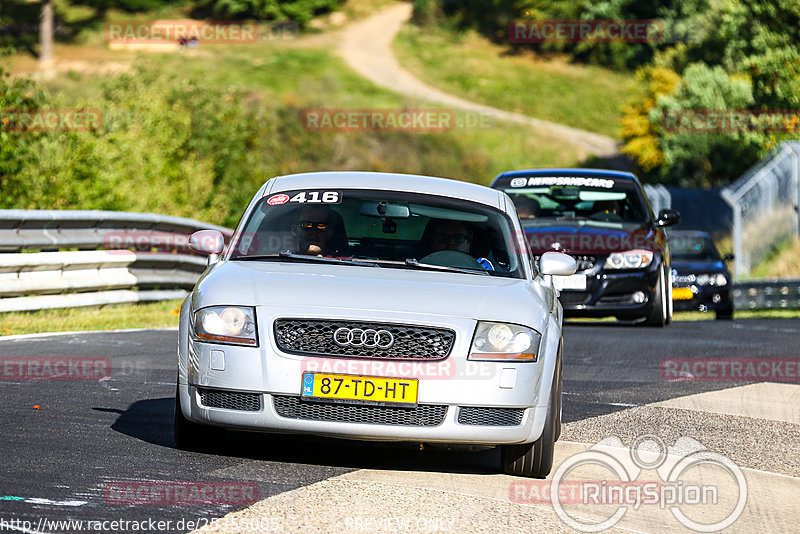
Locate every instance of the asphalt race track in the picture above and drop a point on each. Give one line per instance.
(60, 459)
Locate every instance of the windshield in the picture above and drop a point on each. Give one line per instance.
(596, 202)
(388, 229)
(692, 248)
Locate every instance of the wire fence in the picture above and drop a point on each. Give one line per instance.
(765, 203)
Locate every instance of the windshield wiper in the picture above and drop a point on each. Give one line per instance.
(411, 262)
(304, 257)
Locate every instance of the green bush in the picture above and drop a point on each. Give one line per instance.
(300, 11)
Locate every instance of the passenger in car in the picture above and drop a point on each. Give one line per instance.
(527, 207)
(319, 231)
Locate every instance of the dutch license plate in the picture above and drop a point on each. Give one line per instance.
(357, 389)
(682, 293)
(576, 282)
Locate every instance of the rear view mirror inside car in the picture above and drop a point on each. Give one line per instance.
(385, 210)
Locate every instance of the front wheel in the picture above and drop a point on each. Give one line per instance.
(536, 459)
(658, 313)
(725, 314)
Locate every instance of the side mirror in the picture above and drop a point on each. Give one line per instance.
(557, 263)
(668, 218)
(207, 242)
(728, 257)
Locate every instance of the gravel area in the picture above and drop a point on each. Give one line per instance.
(772, 446)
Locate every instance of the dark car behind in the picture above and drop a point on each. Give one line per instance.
(604, 220)
(700, 279)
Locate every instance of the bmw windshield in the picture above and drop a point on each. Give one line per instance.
(380, 228)
(595, 202)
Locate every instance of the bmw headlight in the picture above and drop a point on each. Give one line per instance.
(226, 324)
(504, 341)
(630, 259)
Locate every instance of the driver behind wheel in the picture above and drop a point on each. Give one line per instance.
(449, 235)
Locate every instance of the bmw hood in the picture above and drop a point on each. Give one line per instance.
(344, 287)
(579, 239)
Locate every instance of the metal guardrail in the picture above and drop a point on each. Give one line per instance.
(767, 294)
(36, 272)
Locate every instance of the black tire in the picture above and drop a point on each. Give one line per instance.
(192, 436)
(658, 315)
(725, 314)
(535, 459)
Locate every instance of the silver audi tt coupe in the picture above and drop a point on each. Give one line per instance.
(376, 306)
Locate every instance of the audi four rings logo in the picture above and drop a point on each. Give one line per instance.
(359, 337)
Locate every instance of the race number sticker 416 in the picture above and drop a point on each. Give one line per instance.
(306, 197)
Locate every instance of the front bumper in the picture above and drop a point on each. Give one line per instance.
(611, 293)
(451, 387)
(705, 298)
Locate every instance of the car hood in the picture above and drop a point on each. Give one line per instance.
(690, 267)
(343, 287)
(577, 239)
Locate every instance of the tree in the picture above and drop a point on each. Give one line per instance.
(46, 33)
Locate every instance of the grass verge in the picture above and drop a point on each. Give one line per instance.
(472, 67)
(118, 316)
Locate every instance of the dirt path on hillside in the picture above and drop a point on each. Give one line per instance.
(366, 46)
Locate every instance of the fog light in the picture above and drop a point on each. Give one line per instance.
(638, 297)
(716, 298)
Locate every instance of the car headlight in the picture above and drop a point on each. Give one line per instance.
(630, 259)
(226, 324)
(717, 279)
(503, 341)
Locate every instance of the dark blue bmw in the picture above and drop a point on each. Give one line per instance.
(603, 219)
(700, 279)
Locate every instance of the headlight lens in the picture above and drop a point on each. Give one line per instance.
(503, 341)
(226, 324)
(630, 259)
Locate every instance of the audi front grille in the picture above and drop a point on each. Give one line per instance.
(317, 337)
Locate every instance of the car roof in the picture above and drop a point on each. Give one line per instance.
(567, 172)
(386, 181)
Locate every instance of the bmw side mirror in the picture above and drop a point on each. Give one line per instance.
(728, 257)
(668, 217)
(556, 263)
(207, 242)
